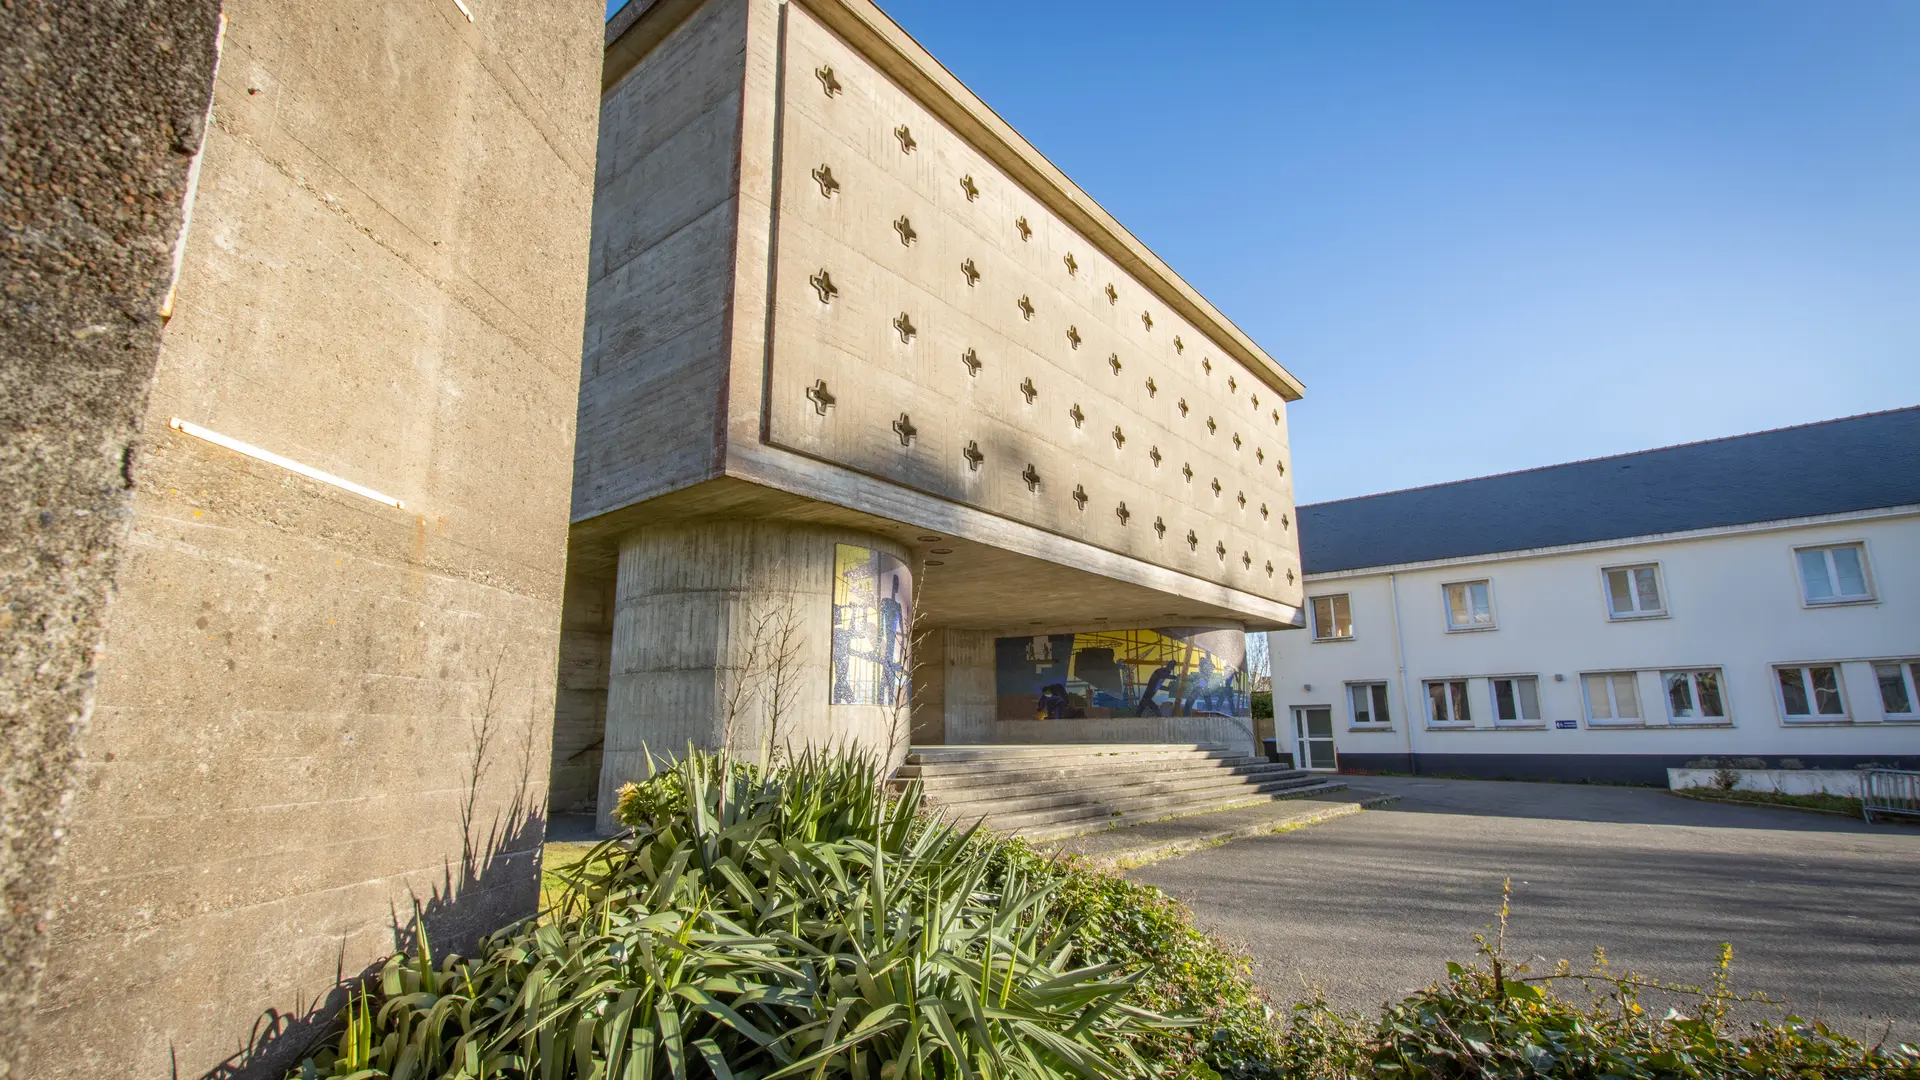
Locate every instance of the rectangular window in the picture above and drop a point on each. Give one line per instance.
(1447, 702)
(1836, 574)
(1369, 701)
(1469, 606)
(1332, 618)
(1899, 688)
(1516, 699)
(1612, 697)
(1694, 697)
(1633, 592)
(1811, 692)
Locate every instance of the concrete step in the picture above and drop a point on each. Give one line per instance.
(921, 765)
(1028, 782)
(974, 800)
(1003, 751)
(1063, 830)
(1148, 804)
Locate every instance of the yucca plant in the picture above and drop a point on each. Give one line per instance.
(799, 922)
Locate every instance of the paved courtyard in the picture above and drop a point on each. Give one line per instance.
(1822, 910)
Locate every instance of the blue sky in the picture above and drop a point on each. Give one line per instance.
(1494, 235)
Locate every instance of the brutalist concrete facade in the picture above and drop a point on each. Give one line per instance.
(315, 708)
(832, 294)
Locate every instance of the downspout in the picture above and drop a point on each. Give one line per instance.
(1400, 660)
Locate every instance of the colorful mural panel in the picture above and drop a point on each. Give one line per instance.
(1167, 671)
(872, 621)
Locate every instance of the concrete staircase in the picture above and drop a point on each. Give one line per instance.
(1044, 793)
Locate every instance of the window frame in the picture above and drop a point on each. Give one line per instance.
(1614, 719)
(1910, 675)
(1659, 583)
(1386, 695)
(1844, 716)
(1464, 697)
(1871, 596)
(1313, 613)
(1725, 719)
(1446, 606)
(1493, 701)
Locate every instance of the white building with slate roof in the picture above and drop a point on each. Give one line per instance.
(1755, 596)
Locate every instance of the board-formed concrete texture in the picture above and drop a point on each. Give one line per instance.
(316, 709)
(829, 287)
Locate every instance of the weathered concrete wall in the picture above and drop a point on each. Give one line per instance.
(969, 683)
(654, 371)
(697, 614)
(101, 109)
(316, 709)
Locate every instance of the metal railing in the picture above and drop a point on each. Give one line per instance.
(1889, 791)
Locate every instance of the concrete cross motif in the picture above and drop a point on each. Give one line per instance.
(1276, 416)
(1072, 266)
(1146, 319)
(1232, 386)
(1122, 512)
(1282, 466)
(1236, 440)
(1073, 335)
(1186, 468)
(1078, 416)
(1151, 388)
(1289, 575)
(1269, 567)
(905, 228)
(904, 428)
(906, 139)
(1113, 294)
(1212, 428)
(1246, 560)
(1256, 401)
(1119, 437)
(1241, 498)
(972, 360)
(827, 82)
(1080, 496)
(1220, 550)
(967, 185)
(822, 400)
(824, 177)
(1113, 361)
(904, 327)
(970, 272)
(1216, 487)
(973, 455)
(1284, 522)
(1193, 540)
(1026, 307)
(1160, 528)
(822, 283)
(1259, 456)
(1183, 406)
(1027, 388)
(1206, 366)
(1263, 511)
(1154, 453)
(1026, 230)
(1032, 476)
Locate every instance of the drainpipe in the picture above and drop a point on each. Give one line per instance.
(1400, 659)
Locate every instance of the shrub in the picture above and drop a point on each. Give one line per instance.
(784, 924)
(1749, 763)
(1792, 763)
(1726, 779)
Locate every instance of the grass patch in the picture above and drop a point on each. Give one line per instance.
(1836, 804)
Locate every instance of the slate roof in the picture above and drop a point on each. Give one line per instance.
(1855, 463)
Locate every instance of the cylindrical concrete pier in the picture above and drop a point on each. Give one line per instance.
(698, 645)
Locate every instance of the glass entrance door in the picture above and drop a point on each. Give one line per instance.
(1313, 737)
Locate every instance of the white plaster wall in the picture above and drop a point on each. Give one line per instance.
(1734, 603)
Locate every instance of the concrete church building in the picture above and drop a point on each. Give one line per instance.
(861, 361)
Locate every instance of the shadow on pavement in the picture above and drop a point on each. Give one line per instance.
(1598, 803)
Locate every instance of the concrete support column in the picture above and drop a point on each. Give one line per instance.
(699, 611)
(972, 700)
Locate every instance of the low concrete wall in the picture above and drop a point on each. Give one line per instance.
(1844, 782)
(1647, 769)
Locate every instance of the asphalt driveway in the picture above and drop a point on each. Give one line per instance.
(1823, 911)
